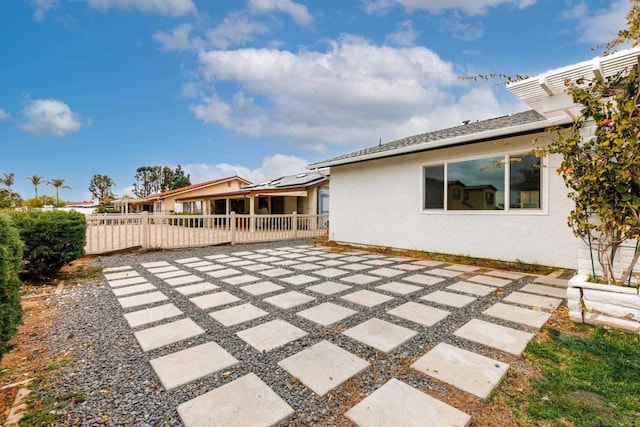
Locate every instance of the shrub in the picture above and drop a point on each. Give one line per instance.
(106, 209)
(51, 240)
(10, 265)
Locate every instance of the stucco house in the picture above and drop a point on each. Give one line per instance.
(475, 189)
(306, 192)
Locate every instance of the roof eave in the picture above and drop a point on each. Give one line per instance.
(443, 143)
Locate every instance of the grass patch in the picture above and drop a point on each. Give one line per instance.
(588, 376)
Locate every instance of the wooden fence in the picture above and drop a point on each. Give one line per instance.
(113, 232)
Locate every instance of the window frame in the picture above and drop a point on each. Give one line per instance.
(508, 210)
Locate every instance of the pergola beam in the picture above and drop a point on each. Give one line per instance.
(546, 85)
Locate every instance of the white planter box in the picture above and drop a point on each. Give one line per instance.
(607, 305)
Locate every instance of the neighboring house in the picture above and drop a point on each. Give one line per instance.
(500, 201)
(189, 199)
(84, 207)
(304, 193)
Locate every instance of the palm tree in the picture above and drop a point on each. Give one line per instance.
(58, 183)
(36, 180)
(8, 181)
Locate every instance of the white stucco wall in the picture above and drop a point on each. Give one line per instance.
(380, 203)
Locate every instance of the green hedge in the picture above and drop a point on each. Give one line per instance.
(51, 240)
(10, 266)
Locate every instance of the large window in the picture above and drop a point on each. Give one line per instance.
(480, 184)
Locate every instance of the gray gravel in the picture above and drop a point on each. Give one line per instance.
(122, 389)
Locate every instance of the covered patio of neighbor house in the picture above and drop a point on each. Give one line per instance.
(304, 193)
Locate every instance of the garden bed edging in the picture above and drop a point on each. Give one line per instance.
(605, 305)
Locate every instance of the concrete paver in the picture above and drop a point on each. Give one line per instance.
(546, 303)
(225, 272)
(142, 299)
(331, 272)
(463, 268)
(135, 289)
(276, 272)
(323, 366)
(449, 298)
(329, 288)
(241, 280)
(496, 336)
(419, 313)
(168, 333)
(463, 369)
(155, 264)
(197, 288)
(261, 288)
(187, 365)
(444, 272)
(214, 300)
(472, 288)
(380, 334)
(423, 279)
(367, 298)
(387, 272)
(126, 282)
(505, 274)
(238, 314)
(399, 288)
(121, 275)
(270, 335)
(153, 314)
(398, 404)
(200, 263)
(327, 313)
(187, 260)
(164, 269)
(357, 267)
(512, 313)
(491, 281)
(409, 267)
(300, 279)
(289, 299)
(246, 402)
(175, 272)
(360, 279)
(549, 291)
(114, 269)
(183, 280)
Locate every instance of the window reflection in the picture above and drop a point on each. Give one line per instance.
(476, 184)
(524, 191)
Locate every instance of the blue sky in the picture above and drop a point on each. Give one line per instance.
(259, 88)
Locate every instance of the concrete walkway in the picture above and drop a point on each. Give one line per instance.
(327, 288)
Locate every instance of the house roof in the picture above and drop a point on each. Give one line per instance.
(193, 187)
(511, 124)
(300, 180)
(290, 185)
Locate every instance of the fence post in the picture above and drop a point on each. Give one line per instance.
(252, 223)
(294, 224)
(233, 227)
(144, 224)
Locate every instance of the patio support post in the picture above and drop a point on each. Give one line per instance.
(232, 219)
(294, 224)
(144, 223)
(252, 214)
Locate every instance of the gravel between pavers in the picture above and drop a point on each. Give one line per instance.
(122, 389)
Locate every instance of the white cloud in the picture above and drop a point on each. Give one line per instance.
(161, 7)
(454, 24)
(598, 25)
(404, 36)
(470, 7)
(178, 39)
(50, 117)
(235, 29)
(354, 92)
(4, 115)
(41, 7)
(299, 13)
(271, 167)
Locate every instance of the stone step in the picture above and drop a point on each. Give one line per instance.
(496, 336)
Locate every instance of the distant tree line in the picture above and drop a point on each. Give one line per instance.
(148, 180)
(158, 179)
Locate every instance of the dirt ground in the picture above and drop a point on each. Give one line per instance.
(29, 358)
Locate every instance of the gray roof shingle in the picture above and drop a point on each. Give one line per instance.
(478, 127)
